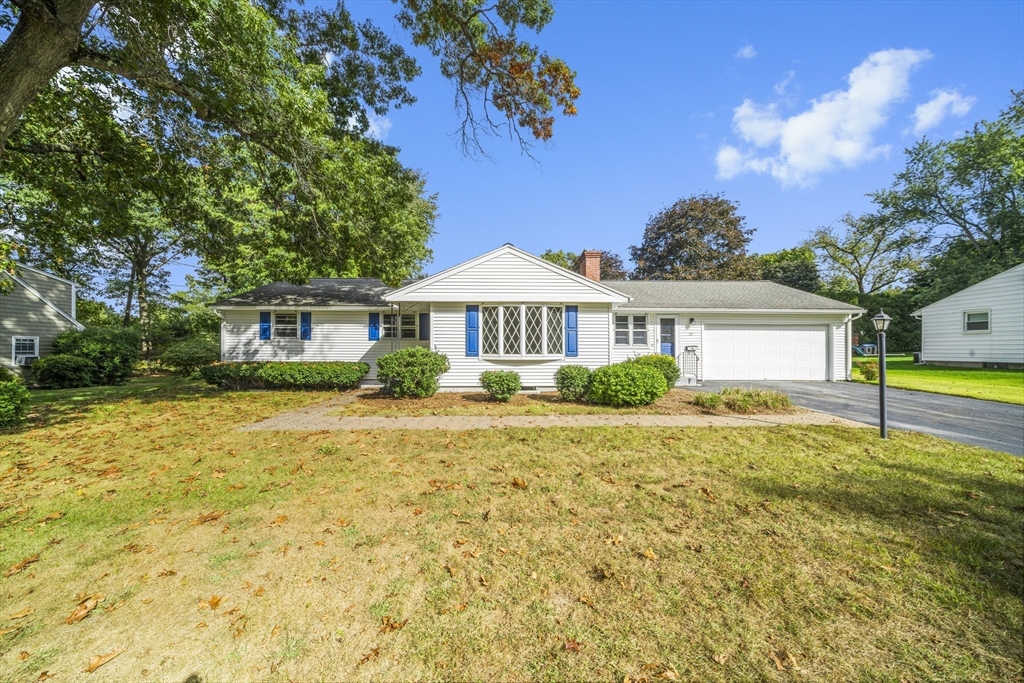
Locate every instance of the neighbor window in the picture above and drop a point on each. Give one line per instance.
(286, 325)
(399, 326)
(521, 330)
(976, 321)
(631, 330)
(25, 346)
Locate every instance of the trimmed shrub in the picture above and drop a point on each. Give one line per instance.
(112, 350)
(188, 356)
(64, 371)
(13, 402)
(869, 370)
(626, 384)
(6, 375)
(707, 400)
(502, 385)
(412, 373)
(319, 375)
(572, 382)
(663, 363)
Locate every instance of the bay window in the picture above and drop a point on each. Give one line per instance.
(521, 330)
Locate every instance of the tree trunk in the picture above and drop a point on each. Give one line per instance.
(143, 313)
(42, 42)
(128, 304)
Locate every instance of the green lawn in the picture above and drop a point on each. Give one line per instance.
(1006, 386)
(712, 554)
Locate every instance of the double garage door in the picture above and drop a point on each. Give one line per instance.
(754, 352)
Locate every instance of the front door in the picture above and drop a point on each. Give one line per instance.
(668, 336)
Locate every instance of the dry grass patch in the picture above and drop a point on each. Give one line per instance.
(566, 554)
(675, 402)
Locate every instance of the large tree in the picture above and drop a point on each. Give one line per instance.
(796, 267)
(702, 237)
(612, 267)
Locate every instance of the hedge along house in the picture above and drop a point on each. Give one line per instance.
(39, 307)
(511, 310)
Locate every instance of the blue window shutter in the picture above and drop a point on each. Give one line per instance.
(572, 314)
(305, 325)
(374, 326)
(264, 324)
(424, 327)
(472, 330)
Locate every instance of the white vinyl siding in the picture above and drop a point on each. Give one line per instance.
(944, 333)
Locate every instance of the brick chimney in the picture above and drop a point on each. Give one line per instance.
(589, 265)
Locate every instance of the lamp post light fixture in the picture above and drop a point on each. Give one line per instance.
(881, 323)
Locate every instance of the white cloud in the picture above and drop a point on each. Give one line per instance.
(379, 126)
(837, 130)
(780, 87)
(929, 114)
(746, 52)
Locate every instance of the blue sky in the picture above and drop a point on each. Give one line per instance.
(661, 85)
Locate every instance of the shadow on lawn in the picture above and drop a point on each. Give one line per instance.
(946, 512)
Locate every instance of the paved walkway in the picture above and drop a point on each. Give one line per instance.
(318, 417)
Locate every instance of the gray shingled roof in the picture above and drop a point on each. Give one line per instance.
(362, 291)
(702, 294)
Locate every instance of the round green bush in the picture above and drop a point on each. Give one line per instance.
(626, 384)
(663, 363)
(188, 356)
(412, 373)
(572, 382)
(6, 375)
(502, 385)
(112, 350)
(13, 402)
(63, 371)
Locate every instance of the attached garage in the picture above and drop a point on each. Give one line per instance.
(759, 352)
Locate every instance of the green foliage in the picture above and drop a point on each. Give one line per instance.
(612, 267)
(702, 237)
(502, 385)
(113, 351)
(64, 371)
(188, 356)
(797, 268)
(14, 399)
(6, 375)
(318, 375)
(92, 313)
(868, 369)
(904, 333)
(663, 363)
(412, 372)
(740, 400)
(707, 400)
(566, 259)
(626, 384)
(572, 382)
(873, 251)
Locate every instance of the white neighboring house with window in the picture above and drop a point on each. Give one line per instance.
(38, 307)
(511, 310)
(980, 326)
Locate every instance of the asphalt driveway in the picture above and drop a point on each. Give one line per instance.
(997, 426)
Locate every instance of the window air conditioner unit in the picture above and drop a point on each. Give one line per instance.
(25, 360)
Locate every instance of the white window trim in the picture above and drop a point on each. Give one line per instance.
(630, 329)
(14, 340)
(298, 325)
(963, 321)
(398, 327)
(501, 355)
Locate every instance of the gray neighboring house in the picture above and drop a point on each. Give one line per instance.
(40, 307)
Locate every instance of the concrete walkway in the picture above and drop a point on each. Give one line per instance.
(318, 417)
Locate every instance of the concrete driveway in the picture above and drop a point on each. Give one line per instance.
(997, 426)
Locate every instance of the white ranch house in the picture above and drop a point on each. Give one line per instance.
(509, 309)
(980, 326)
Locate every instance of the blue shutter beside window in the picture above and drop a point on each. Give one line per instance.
(572, 314)
(374, 326)
(305, 325)
(472, 330)
(424, 327)
(264, 324)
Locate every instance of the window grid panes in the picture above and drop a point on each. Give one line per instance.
(25, 346)
(631, 330)
(286, 325)
(409, 326)
(489, 329)
(622, 329)
(521, 330)
(534, 331)
(512, 331)
(554, 323)
(389, 326)
(639, 330)
(976, 322)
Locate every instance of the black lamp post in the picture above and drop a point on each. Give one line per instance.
(881, 323)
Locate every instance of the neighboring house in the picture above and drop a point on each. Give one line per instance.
(37, 309)
(508, 309)
(981, 326)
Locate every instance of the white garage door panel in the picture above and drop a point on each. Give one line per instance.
(765, 352)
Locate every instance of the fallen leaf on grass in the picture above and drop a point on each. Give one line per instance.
(720, 658)
(23, 655)
(483, 581)
(168, 572)
(96, 661)
(649, 554)
(201, 624)
(342, 522)
(217, 474)
(236, 487)
(281, 519)
(572, 645)
(707, 493)
(84, 607)
(43, 675)
(18, 566)
(371, 655)
(275, 631)
(23, 613)
(5, 631)
(518, 483)
(50, 517)
(613, 540)
(209, 517)
(458, 542)
(585, 599)
(417, 512)
(212, 603)
(387, 624)
(259, 591)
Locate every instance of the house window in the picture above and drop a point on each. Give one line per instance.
(399, 326)
(24, 347)
(976, 321)
(286, 325)
(631, 330)
(408, 326)
(521, 330)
